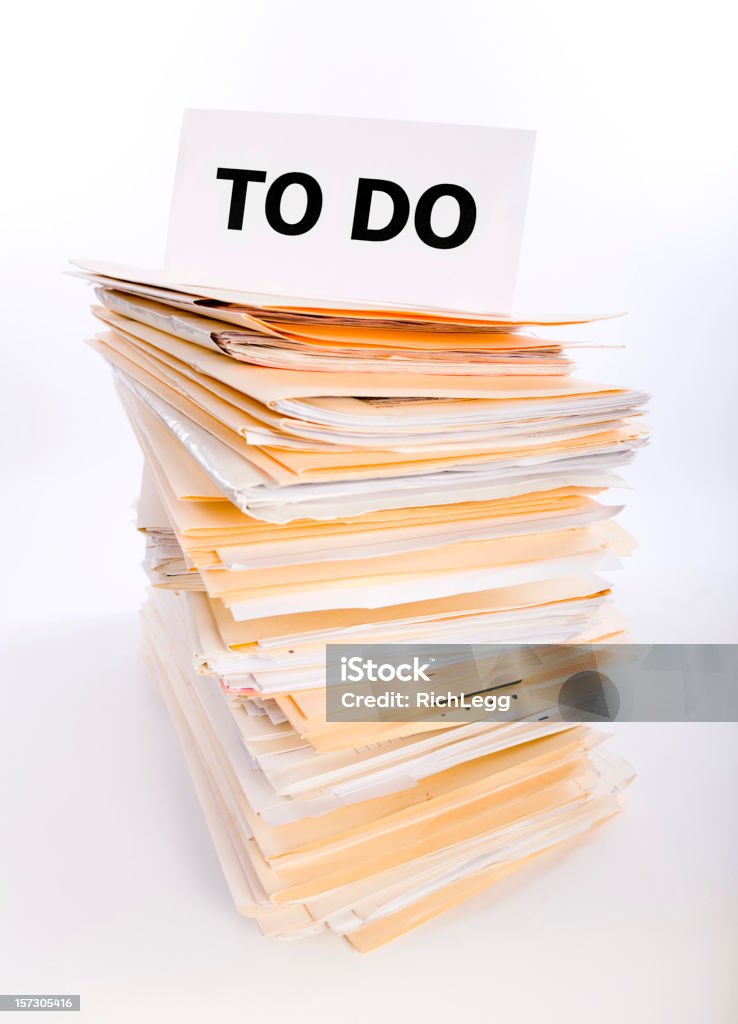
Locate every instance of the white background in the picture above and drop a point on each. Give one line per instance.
(109, 886)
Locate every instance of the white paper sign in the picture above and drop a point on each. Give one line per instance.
(350, 209)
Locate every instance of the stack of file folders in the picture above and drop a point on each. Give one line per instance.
(364, 475)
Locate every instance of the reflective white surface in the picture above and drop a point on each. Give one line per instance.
(112, 888)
